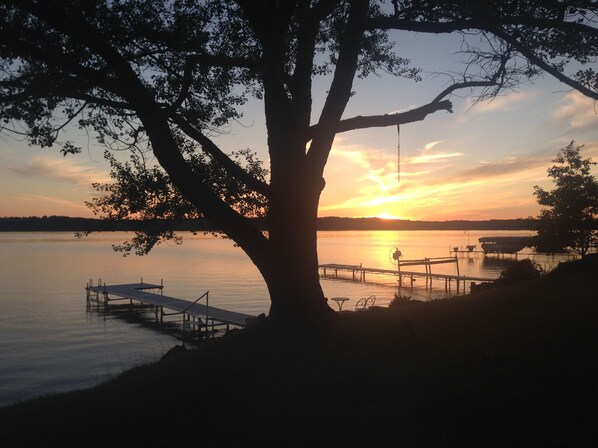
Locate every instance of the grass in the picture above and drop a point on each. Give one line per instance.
(511, 366)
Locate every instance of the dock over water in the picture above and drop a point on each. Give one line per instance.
(196, 316)
(358, 272)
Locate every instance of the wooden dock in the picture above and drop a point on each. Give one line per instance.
(358, 272)
(196, 316)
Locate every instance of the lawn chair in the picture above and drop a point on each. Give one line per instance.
(365, 303)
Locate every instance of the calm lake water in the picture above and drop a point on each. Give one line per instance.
(51, 342)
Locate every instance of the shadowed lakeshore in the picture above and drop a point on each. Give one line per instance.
(510, 366)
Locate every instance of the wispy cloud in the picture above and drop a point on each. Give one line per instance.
(375, 159)
(21, 204)
(430, 145)
(576, 112)
(507, 168)
(62, 170)
(509, 101)
(499, 187)
(432, 158)
(52, 200)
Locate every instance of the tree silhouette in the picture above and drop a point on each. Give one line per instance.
(568, 220)
(163, 76)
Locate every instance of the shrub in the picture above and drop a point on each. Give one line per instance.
(400, 300)
(520, 271)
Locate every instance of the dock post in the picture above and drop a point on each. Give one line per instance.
(104, 292)
(428, 271)
(458, 274)
(208, 311)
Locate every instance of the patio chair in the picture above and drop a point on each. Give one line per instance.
(365, 303)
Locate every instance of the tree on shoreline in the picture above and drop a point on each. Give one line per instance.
(161, 77)
(569, 219)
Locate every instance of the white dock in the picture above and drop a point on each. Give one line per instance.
(195, 315)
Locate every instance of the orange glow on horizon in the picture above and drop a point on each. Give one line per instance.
(389, 216)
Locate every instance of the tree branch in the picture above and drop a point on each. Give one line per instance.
(493, 26)
(463, 85)
(155, 121)
(498, 79)
(379, 121)
(391, 22)
(340, 90)
(223, 61)
(71, 88)
(544, 65)
(194, 60)
(212, 149)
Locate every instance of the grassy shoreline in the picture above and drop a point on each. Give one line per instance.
(513, 366)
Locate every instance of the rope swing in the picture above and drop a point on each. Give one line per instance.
(398, 153)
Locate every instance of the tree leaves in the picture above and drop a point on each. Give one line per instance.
(569, 219)
(143, 191)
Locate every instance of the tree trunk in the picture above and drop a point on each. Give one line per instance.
(293, 278)
(295, 292)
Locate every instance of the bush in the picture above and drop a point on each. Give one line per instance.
(588, 265)
(520, 271)
(401, 300)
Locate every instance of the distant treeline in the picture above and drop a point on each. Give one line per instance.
(68, 224)
(334, 223)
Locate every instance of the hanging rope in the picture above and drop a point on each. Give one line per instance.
(398, 153)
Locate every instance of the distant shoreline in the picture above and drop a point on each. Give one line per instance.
(70, 224)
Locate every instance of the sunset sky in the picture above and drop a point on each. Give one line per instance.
(480, 162)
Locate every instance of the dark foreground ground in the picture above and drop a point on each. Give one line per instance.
(515, 366)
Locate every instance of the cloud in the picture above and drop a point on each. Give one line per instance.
(376, 159)
(33, 204)
(504, 168)
(502, 186)
(510, 101)
(357, 157)
(432, 158)
(430, 145)
(40, 198)
(61, 170)
(576, 112)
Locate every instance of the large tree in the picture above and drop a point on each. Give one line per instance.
(165, 75)
(569, 216)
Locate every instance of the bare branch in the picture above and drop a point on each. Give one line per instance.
(393, 23)
(495, 25)
(379, 121)
(544, 65)
(463, 85)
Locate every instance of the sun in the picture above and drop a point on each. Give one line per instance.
(386, 215)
